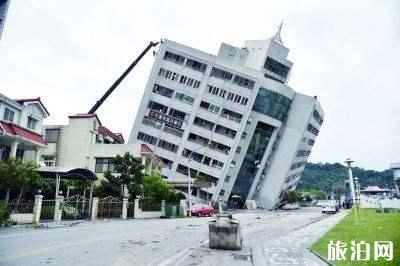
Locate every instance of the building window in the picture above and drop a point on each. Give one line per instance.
(276, 67)
(317, 117)
(168, 74)
(255, 152)
(189, 82)
(184, 98)
(244, 82)
(193, 64)
(231, 115)
(222, 192)
(147, 138)
(217, 164)
(163, 91)
(312, 129)
(177, 114)
(158, 107)
(225, 131)
(238, 149)
(227, 178)
(8, 115)
(272, 104)
(167, 145)
(103, 165)
(31, 123)
(221, 74)
(210, 107)
(49, 161)
(203, 123)
(51, 135)
(174, 57)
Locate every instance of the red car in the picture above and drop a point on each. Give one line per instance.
(202, 210)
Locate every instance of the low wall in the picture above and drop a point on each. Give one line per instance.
(371, 203)
(149, 214)
(22, 218)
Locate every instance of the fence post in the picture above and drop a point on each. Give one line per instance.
(137, 211)
(57, 208)
(182, 204)
(163, 208)
(124, 208)
(37, 208)
(95, 202)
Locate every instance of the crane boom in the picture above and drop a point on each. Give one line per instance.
(121, 78)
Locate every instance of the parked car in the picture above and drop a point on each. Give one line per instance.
(291, 206)
(329, 208)
(202, 210)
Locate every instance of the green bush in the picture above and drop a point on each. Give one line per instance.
(4, 213)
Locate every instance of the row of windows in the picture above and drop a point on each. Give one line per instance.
(244, 82)
(189, 82)
(200, 158)
(317, 117)
(196, 65)
(194, 173)
(272, 104)
(218, 129)
(165, 118)
(168, 74)
(184, 98)
(231, 115)
(221, 74)
(230, 96)
(161, 143)
(298, 164)
(312, 129)
(292, 177)
(209, 143)
(167, 92)
(190, 63)
(302, 153)
(276, 67)
(174, 57)
(10, 114)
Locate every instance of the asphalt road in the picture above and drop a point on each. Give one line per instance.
(167, 241)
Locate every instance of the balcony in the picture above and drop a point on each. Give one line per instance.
(152, 123)
(172, 130)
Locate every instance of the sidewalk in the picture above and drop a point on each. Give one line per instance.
(291, 248)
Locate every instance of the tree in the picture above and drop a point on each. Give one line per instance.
(340, 190)
(128, 174)
(156, 189)
(291, 196)
(15, 174)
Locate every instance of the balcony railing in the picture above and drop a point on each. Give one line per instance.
(152, 123)
(174, 131)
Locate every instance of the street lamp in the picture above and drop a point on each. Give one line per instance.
(351, 183)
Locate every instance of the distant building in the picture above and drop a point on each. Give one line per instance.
(230, 117)
(396, 172)
(376, 192)
(86, 143)
(21, 128)
(3, 14)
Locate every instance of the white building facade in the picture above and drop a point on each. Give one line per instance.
(21, 122)
(85, 143)
(229, 117)
(396, 173)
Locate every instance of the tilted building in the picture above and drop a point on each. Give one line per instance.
(230, 117)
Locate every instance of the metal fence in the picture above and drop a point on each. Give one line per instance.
(47, 211)
(20, 206)
(149, 207)
(130, 210)
(76, 208)
(109, 207)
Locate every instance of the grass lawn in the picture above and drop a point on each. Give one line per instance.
(372, 227)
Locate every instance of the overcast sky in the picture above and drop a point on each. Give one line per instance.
(347, 53)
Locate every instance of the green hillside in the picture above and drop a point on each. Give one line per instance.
(323, 176)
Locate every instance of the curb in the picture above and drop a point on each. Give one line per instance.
(320, 257)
